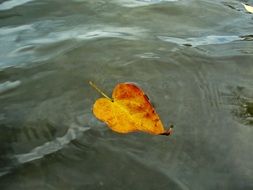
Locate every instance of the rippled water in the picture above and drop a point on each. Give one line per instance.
(193, 59)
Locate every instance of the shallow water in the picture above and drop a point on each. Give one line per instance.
(192, 58)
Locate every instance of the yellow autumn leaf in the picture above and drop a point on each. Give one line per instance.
(128, 110)
(248, 8)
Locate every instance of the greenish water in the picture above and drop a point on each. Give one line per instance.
(192, 58)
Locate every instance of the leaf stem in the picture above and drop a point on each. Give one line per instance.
(168, 131)
(99, 90)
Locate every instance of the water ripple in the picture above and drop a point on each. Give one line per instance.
(138, 3)
(11, 30)
(51, 146)
(8, 85)
(148, 55)
(200, 41)
(84, 33)
(20, 50)
(12, 3)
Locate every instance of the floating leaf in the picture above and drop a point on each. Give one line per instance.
(128, 110)
(248, 8)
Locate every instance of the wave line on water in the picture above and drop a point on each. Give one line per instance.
(200, 41)
(139, 3)
(83, 33)
(51, 146)
(27, 50)
(12, 3)
(8, 85)
(10, 30)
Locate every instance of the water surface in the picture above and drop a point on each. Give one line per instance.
(192, 58)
